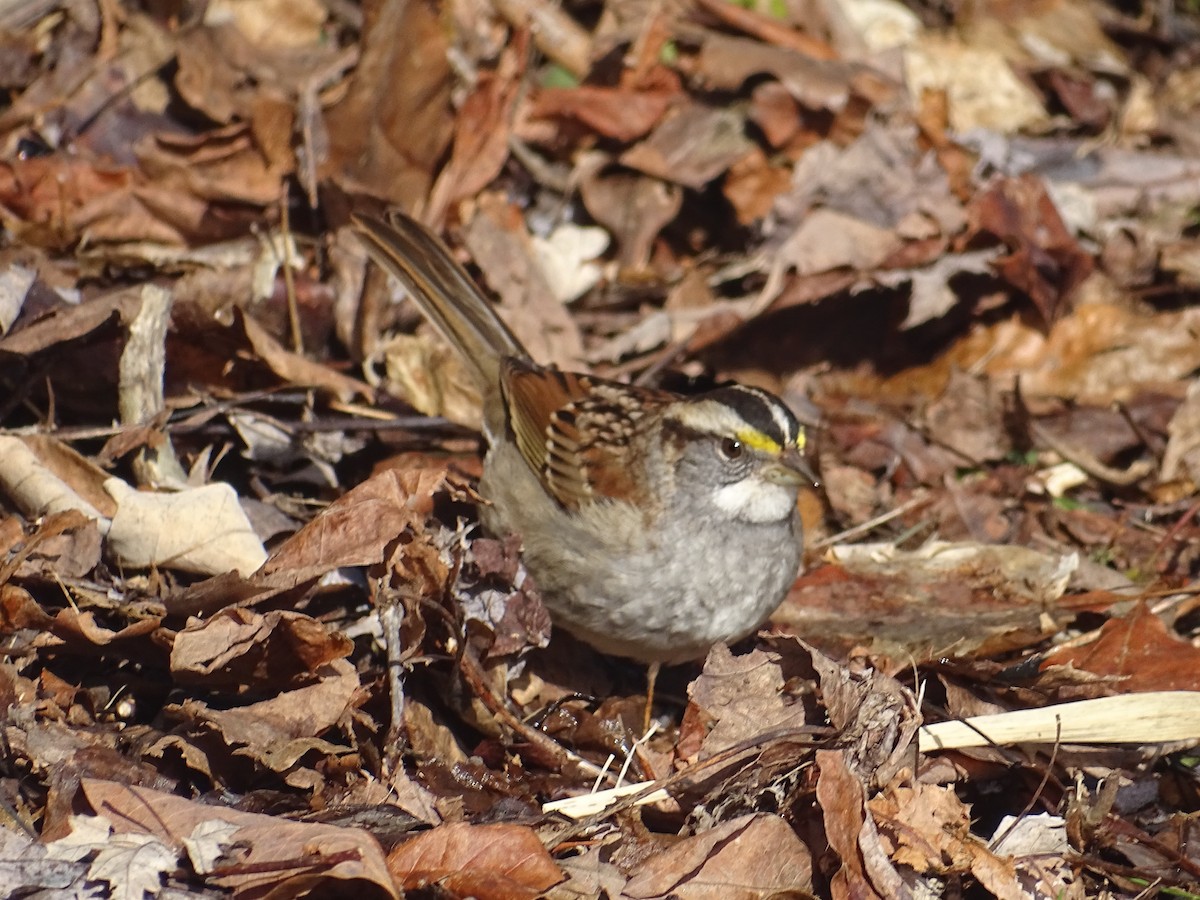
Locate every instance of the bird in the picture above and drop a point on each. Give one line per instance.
(654, 524)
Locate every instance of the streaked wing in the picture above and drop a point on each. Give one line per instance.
(574, 430)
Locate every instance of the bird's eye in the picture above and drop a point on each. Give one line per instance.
(731, 448)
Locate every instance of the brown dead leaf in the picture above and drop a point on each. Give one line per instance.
(431, 376)
(491, 862)
(483, 128)
(1045, 261)
(828, 240)
(64, 545)
(296, 369)
(1135, 653)
(877, 717)
(46, 193)
(356, 529)
(66, 323)
(243, 649)
(278, 733)
(1181, 458)
(865, 870)
(776, 113)
(752, 185)
(78, 631)
(500, 244)
(388, 142)
(744, 697)
(167, 199)
(984, 595)
(590, 873)
(884, 177)
(205, 79)
(220, 166)
(755, 856)
(634, 207)
(1098, 353)
(272, 856)
(969, 418)
(623, 113)
(928, 829)
(726, 63)
(691, 146)
(1034, 34)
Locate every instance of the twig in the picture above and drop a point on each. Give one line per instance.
(999, 842)
(472, 672)
(811, 737)
(866, 527)
(390, 620)
(556, 34)
(289, 279)
(1082, 458)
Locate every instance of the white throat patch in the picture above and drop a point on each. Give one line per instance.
(755, 500)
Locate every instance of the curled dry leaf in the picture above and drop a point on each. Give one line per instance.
(927, 828)
(431, 377)
(65, 545)
(293, 368)
(621, 113)
(1045, 261)
(828, 240)
(278, 732)
(1181, 458)
(876, 716)
(726, 63)
(72, 628)
(482, 132)
(238, 648)
(201, 530)
(633, 206)
(865, 869)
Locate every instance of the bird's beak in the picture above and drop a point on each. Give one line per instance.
(790, 469)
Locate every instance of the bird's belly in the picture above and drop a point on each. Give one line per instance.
(643, 592)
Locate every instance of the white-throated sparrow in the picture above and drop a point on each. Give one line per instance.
(654, 524)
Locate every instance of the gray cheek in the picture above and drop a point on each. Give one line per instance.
(702, 464)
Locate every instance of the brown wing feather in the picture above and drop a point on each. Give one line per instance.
(574, 430)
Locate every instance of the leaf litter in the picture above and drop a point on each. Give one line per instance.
(255, 643)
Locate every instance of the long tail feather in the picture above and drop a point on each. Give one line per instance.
(445, 292)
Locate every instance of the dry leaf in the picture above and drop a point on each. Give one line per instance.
(491, 862)
(201, 530)
(755, 856)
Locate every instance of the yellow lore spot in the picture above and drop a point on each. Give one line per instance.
(756, 440)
